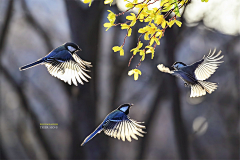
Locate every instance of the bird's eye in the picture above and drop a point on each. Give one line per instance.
(71, 49)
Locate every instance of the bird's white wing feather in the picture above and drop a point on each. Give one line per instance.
(124, 129)
(209, 65)
(68, 71)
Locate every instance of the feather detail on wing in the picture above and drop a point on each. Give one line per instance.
(208, 66)
(123, 128)
(162, 68)
(68, 71)
(82, 62)
(201, 88)
(197, 90)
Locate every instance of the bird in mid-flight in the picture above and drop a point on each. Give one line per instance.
(117, 124)
(65, 64)
(194, 75)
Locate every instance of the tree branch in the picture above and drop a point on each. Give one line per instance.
(31, 20)
(6, 23)
(144, 142)
(26, 107)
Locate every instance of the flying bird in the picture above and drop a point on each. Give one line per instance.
(65, 64)
(117, 124)
(194, 75)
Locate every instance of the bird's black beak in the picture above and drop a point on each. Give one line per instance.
(79, 49)
(131, 104)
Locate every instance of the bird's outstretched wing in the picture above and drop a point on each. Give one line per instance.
(68, 68)
(207, 66)
(162, 68)
(124, 128)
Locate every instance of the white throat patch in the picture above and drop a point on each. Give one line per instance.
(71, 49)
(123, 109)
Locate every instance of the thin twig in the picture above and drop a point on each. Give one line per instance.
(5, 26)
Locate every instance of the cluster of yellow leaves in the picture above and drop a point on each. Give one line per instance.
(152, 32)
(154, 28)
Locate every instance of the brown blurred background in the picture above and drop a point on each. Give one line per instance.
(178, 127)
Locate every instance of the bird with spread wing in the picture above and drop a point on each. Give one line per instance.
(194, 75)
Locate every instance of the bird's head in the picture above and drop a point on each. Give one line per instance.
(72, 47)
(178, 65)
(125, 108)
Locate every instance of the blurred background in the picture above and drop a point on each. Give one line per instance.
(178, 127)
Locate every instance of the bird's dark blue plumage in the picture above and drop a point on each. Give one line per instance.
(65, 64)
(194, 75)
(118, 125)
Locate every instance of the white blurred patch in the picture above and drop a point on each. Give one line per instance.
(221, 15)
(200, 125)
(194, 101)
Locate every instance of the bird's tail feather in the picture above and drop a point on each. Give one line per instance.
(200, 89)
(93, 134)
(31, 65)
(208, 86)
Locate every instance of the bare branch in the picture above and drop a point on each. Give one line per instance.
(26, 107)
(31, 20)
(6, 23)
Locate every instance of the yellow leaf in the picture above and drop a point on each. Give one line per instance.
(178, 23)
(164, 2)
(151, 41)
(140, 6)
(108, 2)
(164, 22)
(111, 17)
(140, 44)
(116, 48)
(135, 77)
(88, 1)
(142, 53)
(171, 23)
(141, 30)
(121, 52)
(107, 25)
(159, 33)
(129, 32)
(129, 5)
(131, 72)
(146, 36)
(150, 50)
(133, 17)
(125, 26)
(158, 19)
(134, 72)
(135, 1)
